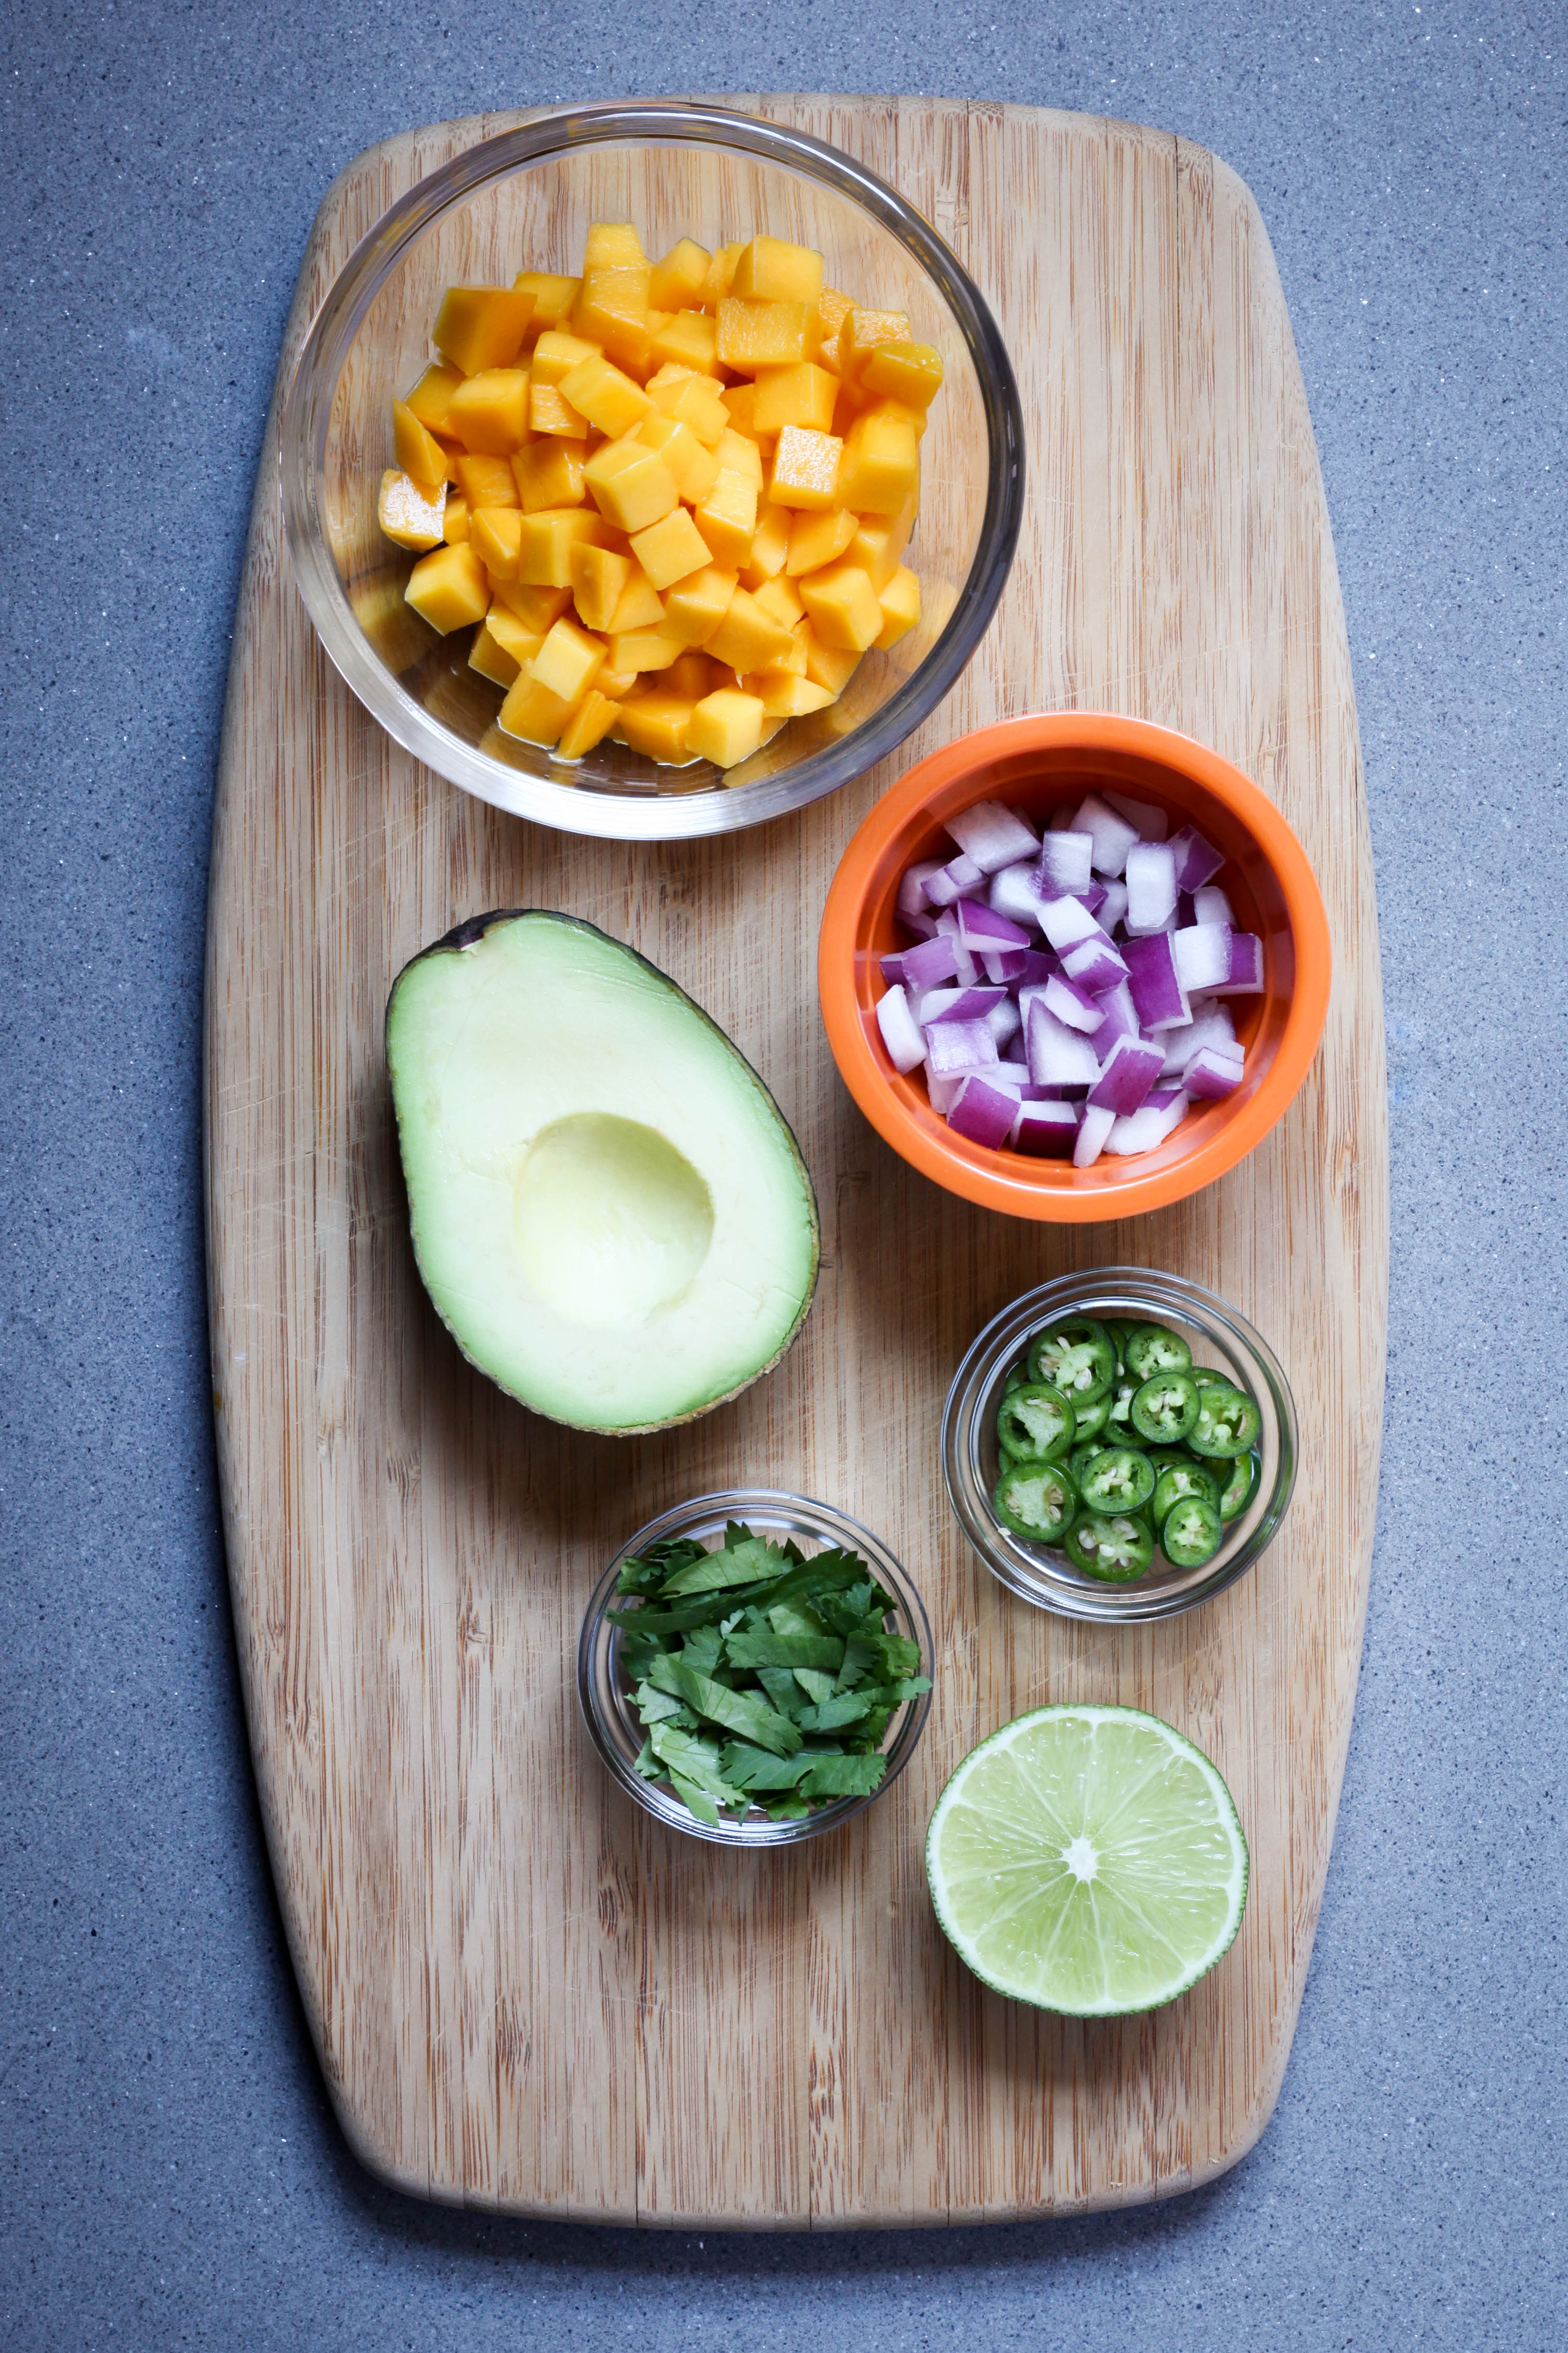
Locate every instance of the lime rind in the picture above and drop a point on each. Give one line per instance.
(1112, 1791)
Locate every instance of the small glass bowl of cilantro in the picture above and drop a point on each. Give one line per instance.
(754, 1668)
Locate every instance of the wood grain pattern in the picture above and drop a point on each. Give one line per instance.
(525, 1995)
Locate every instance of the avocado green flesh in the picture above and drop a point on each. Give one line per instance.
(609, 1210)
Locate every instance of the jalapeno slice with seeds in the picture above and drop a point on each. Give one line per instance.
(1227, 1424)
(1180, 1479)
(1119, 1412)
(1090, 1419)
(1117, 1549)
(1079, 1357)
(1035, 1423)
(1154, 1348)
(1237, 1492)
(1036, 1500)
(1119, 1480)
(1166, 1408)
(1082, 1456)
(1192, 1533)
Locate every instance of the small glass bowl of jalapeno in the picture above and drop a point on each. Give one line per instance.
(1119, 1444)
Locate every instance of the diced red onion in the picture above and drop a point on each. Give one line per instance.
(1067, 921)
(942, 1090)
(1114, 837)
(901, 1030)
(959, 1046)
(1046, 1130)
(1015, 893)
(1006, 1022)
(911, 899)
(1158, 997)
(1149, 822)
(1198, 860)
(1072, 1004)
(1039, 965)
(983, 1113)
(1151, 887)
(1147, 1128)
(1065, 863)
(1113, 909)
(1058, 1056)
(957, 1004)
(925, 965)
(1203, 957)
(1095, 964)
(1210, 905)
(993, 836)
(1006, 966)
(1211, 1074)
(1130, 1071)
(980, 926)
(1092, 897)
(1214, 1028)
(1090, 1143)
(1118, 1019)
(951, 880)
(922, 924)
(963, 964)
(1246, 967)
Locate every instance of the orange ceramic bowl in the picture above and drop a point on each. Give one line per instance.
(1037, 763)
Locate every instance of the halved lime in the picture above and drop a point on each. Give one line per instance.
(1088, 1860)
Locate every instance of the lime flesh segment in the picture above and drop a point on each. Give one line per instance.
(1088, 1860)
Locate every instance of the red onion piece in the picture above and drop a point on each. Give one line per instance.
(980, 926)
(1198, 860)
(1158, 997)
(1203, 957)
(993, 836)
(1072, 1004)
(1065, 863)
(1114, 837)
(1095, 964)
(1151, 887)
(901, 1032)
(1093, 1129)
(1058, 1056)
(983, 1113)
(911, 899)
(1150, 823)
(925, 965)
(1246, 967)
(1211, 1074)
(1131, 1070)
(1046, 1130)
(1210, 905)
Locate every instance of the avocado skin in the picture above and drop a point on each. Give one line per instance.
(467, 934)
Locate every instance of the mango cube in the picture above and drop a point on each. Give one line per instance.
(549, 473)
(448, 588)
(861, 333)
(693, 467)
(882, 464)
(695, 606)
(589, 724)
(502, 646)
(725, 727)
(780, 599)
(641, 650)
(409, 516)
(879, 544)
(748, 637)
(482, 326)
(909, 373)
(727, 518)
(612, 310)
(693, 674)
(692, 400)
(677, 280)
(599, 580)
(789, 697)
(604, 395)
(455, 521)
(901, 603)
(495, 535)
(556, 353)
(612, 245)
(418, 453)
(741, 401)
(630, 484)
(802, 395)
(754, 335)
(567, 660)
(431, 396)
(531, 712)
(770, 546)
(818, 538)
(721, 275)
(554, 297)
(617, 684)
(741, 454)
(832, 308)
(640, 606)
(489, 414)
(806, 470)
(829, 666)
(550, 411)
(773, 270)
(545, 545)
(485, 483)
(655, 724)
(536, 608)
(843, 606)
(670, 549)
(685, 337)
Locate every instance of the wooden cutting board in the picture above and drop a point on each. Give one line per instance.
(524, 1993)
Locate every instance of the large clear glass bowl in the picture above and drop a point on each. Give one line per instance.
(524, 201)
(613, 1723)
(1218, 1336)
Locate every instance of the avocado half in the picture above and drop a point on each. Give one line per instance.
(608, 1210)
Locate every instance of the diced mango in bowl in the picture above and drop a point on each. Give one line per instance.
(671, 498)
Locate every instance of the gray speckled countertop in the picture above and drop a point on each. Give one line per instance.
(169, 2171)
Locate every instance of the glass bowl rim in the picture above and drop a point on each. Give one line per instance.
(1111, 1605)
(840, 1527)
(306, 419)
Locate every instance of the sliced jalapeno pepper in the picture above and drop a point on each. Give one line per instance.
(1118, 1548)
(1079, 1357)
(1036, 1500)
(1119, 1480)
(1090, 1419)
(1208, 1378)
(1192, 1533)
(1017, 1375)
(1166, 1408)
(1119, 1327)
(1227, 1424)
(1082, 1456)
(1179, 1478)
(1237, 1492)
(1035, 1423)
(1119, 1412)
(1161, 1457)
(1154, 1348)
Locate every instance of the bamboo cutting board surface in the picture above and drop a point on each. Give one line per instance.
(524, 1994)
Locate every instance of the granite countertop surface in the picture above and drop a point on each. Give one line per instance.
(170, 2172)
